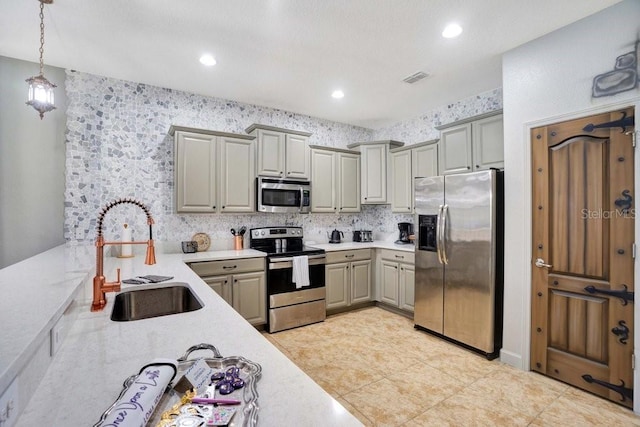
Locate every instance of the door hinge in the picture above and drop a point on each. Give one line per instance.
(633, 251)
(633, 361)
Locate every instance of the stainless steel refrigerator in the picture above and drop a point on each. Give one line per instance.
(459, 280)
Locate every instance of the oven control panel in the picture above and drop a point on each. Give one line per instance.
(276, 232)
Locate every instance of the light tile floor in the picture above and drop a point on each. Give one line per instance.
(387, 373)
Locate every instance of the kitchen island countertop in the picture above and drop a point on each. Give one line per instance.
(86, 374)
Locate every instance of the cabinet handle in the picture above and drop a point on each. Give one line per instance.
(280, 172)
(214, 207)
(229, 267)
(468, 167)
(477, 166)
(396, 267)
(334, 208)
(349, 256)
(235, 280)
(365, 198)
(400, 256)
(226, 281)
(223, 207)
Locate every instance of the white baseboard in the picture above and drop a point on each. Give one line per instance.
(512, 359)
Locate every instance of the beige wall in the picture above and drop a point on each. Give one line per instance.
(32, 159)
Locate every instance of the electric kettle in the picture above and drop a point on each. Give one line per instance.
(335, 236)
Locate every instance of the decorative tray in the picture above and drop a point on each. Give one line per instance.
(171, 413)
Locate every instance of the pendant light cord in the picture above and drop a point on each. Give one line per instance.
(41, 37)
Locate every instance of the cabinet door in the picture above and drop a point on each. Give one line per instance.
(389, 291)
(407, 286)
(271, 148)
(374, 173)
(348, 182)
(237, 177)
(222, 286)
(337, 285)
(250, 296)
(455, 150)
(323, 197)
(360, 281)
(424, 161)
(195, 177)
(401, 181)
(297, 157)
(488, 143)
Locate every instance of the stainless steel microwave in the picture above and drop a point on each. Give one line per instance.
(283, 195)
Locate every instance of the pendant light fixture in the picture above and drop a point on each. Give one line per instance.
(41, 95)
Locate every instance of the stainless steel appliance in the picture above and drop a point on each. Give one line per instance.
(363, 236)
(290, 306)
(459, 252)
(405, 229)
(335, 236)
(283, 195)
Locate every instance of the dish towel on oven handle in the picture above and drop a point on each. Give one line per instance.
(300, 274)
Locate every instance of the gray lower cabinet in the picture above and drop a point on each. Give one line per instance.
(397, 279)
(240, 282)
(348, 278)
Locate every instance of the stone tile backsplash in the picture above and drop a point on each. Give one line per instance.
(118, 146)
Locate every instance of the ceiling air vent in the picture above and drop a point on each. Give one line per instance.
(415, 77)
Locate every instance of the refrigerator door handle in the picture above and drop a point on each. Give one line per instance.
(443, 236)
(439, 235)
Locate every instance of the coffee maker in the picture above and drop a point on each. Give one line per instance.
(406, 230)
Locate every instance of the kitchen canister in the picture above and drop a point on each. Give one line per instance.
(238, 243)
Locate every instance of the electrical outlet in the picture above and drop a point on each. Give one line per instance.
(56, 335)
(9, 405)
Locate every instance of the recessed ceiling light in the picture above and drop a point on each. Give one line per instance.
(337, 94)
(207, 60)
(451, 31)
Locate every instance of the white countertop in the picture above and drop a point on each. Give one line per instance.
(86, 374)
(376, 244)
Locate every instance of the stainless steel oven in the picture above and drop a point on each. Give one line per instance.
(290, 306)
(283, 195)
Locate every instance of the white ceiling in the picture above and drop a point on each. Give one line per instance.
(291, 54)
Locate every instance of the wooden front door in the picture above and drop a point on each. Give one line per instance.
(583, 253)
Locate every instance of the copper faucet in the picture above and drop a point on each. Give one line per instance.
(100, 285)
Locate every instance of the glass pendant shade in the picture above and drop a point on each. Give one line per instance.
(41, 95)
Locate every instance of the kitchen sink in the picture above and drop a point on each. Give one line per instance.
(154, 302)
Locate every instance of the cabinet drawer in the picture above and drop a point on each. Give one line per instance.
(230, 266)
(398, 256)
(347, 256)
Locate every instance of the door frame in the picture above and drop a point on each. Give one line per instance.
(526, 262)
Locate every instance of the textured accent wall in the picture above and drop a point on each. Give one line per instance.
(422, 128)
(118, 146)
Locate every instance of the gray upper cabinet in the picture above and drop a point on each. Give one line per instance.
(488, 143)
(375, 170)
(237, 187)
(196, 179)
(214, 171)
(473, 144)
(407, 163)
(282, 153)
(335, 180)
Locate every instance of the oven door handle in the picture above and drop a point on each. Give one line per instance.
(288, 262)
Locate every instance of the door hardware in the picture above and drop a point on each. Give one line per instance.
(625, 393)
(625, 202)
(623, 294)
(622, 123)
(541, 263)
(622, 332)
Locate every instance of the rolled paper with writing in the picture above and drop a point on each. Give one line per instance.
(126, 250)
(136, 405)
